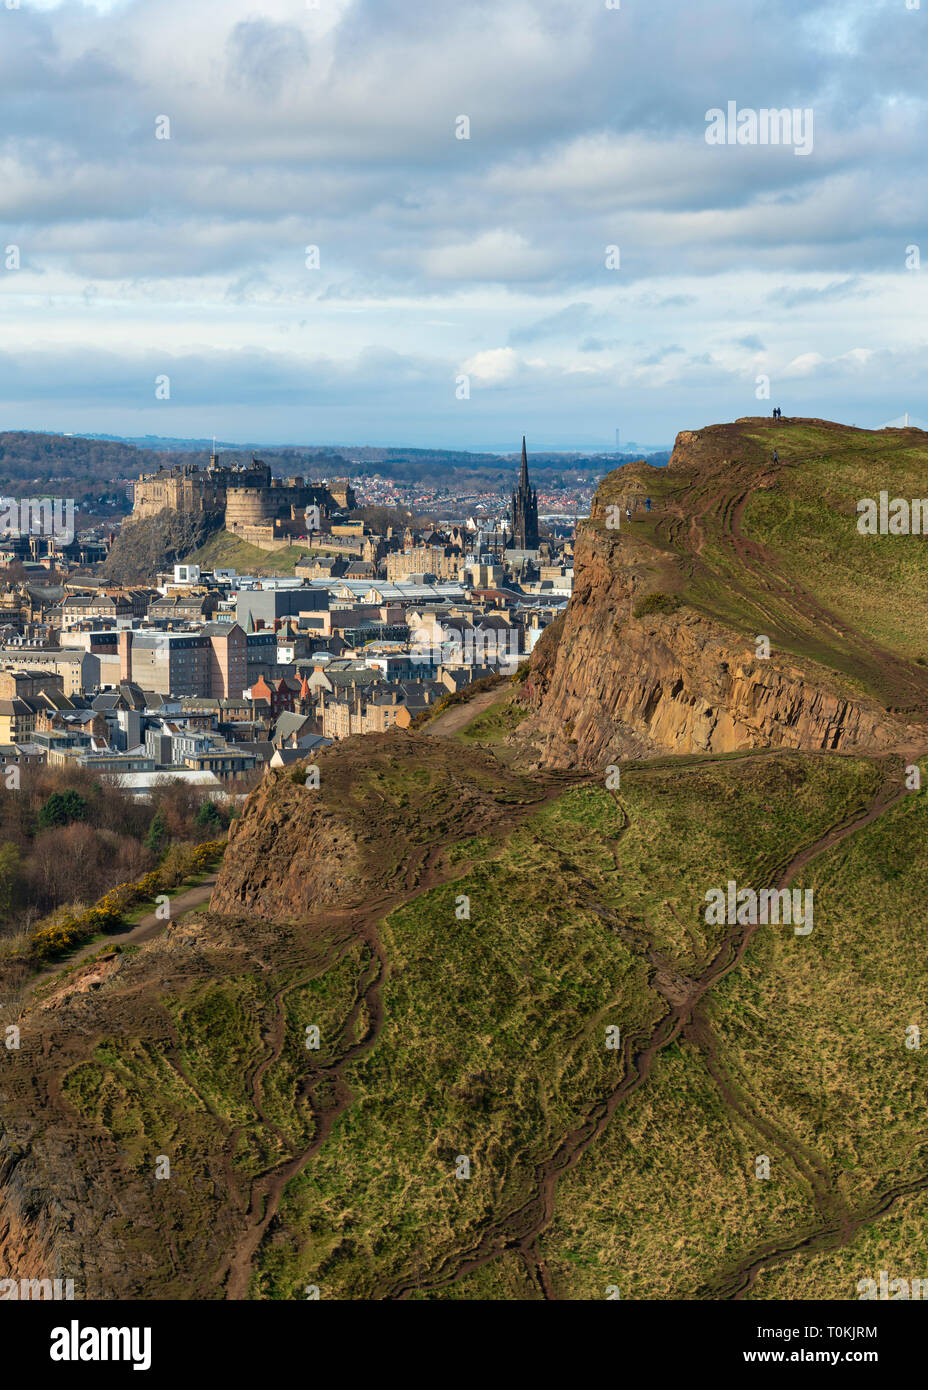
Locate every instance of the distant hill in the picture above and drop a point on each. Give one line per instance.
(95, 469)
(31, 457)
(94, 472)
(457, 466)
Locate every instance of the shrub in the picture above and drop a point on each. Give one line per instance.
(656, 603)
(62, 808)
(73, 926)
(157, 838)
(209, 817)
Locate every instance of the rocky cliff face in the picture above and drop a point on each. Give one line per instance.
(612, 684)
(287, 854)
(297, 850)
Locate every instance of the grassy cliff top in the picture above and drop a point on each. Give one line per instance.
(772, 547)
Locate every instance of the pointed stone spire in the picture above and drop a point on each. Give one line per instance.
(524, 510)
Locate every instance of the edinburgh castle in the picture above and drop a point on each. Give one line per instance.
(245, 498)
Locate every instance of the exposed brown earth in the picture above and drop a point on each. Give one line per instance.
(71, 1194)
(681, 682)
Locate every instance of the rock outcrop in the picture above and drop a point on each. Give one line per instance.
(607, 683)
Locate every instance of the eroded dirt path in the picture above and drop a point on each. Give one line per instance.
(459, 716)
(519, 1229)
(711, 510)
(420, 872)
(145, 929)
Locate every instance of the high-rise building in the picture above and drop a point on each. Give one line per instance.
(524, 510)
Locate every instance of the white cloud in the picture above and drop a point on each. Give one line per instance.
(496, 364)
(335, 126)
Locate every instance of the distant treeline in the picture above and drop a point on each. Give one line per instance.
(68, 835)
(87, 470)
(89, 467)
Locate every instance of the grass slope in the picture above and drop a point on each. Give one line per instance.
(468, 1019)
(225, 550)
(773, 548)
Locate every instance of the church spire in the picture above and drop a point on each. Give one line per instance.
(524, 510)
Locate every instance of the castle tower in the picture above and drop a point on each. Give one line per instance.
(524, 510)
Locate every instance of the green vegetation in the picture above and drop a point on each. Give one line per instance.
(157, 838)
(62, 808)
(328, 1067)
(774, 548)
(496, 723)
(224, 550)
(514, 1059)
(209, 818)
(806, 1045)
(72, 927)
(656, 603)
(810, 523)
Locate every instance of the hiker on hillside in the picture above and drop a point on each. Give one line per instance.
(628, 513)
(776, 456)
(647, 504)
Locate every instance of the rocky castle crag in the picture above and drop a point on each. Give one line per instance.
(245, 500)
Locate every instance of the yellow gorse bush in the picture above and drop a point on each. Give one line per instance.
(106, 915)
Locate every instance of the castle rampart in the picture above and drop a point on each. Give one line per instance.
(246, 496)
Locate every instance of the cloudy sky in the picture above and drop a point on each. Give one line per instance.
(463, 291)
